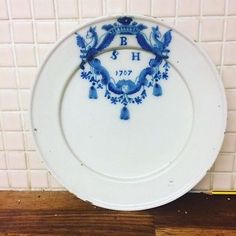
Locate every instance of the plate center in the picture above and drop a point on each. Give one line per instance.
(147, 143)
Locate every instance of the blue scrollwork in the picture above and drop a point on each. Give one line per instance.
(124, 91)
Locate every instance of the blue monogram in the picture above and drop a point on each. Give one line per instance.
(124, 91)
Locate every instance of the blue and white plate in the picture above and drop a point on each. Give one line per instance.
(128, 113)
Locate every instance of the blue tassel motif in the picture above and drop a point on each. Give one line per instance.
(93, 93)
(124, 114)
(157, 90)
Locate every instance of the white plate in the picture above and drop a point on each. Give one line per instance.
(127, 113)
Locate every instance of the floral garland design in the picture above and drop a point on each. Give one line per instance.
(125, 91)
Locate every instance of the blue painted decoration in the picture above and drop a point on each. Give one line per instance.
(124, 91)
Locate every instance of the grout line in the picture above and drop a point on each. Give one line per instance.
(17, 88)
(52, 43)
(179, 17)
(78, 14)
(34, 34)
(200, 22)
(17, 43)
(176, 12)
(151, 10)
(4, 148)
(104, 12)
(79, 4)
(55, 7)
(212, 173)
(128, 6)
(223, 38)
(232, 174)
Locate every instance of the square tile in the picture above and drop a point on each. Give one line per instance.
(231, 121)
(234, 182)
(25, 55)
(14, 141)
(23, 32)
(188, 27)
(67, 8)
(214, 51)
(9, 100)
(213, 7)
(140, 7)
(232, 7)
(7, 78)
(2, 148)
(18, 179)
(222, 181)
(29, 141)
(26, 77)
(5, 32)
(20, 9)
(2, 161)
(116, 7)
(25, 99)
(43, 9)
(212, 29)
(163, 8)
(85, 20)
(3, 9)
(46, 32)
(204, 184)
(230, 29)
(229, 78)
(43, 51)
(11, 121)
(38, 179)
(229, 143)
(224, 162)
(6, 56)
(34, 161)
(3, 180)
(1, 142)
(231, 98)
(188, 7)
(89, 9)
(230, 54)
(66, 27)
(26, 121)
(16, 160)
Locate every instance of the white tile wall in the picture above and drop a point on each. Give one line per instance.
(213, 7)
(22, 32)
(43, 9)
(28, 29)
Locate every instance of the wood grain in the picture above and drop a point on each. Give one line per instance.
(61, 213)
(194, 232)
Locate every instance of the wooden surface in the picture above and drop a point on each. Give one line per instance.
(172, 231)
(61, 213)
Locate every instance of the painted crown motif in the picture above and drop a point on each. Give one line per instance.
(124, 91)
(125, 25)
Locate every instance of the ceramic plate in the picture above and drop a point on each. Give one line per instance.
(128, 113)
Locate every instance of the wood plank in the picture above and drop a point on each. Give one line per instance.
(198, 210)
(194, 232)
(61, 213)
